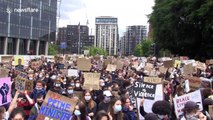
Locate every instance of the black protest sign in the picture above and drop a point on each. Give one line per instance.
(143, 89)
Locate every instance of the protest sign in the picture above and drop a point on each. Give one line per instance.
(97, 57)
(5, 59)
(209, 62)
(184, 58)
(111, 67)
(83, 64)
(211, 110)
(16, 59)
(78, 94)
(168, 64)
(200, 65)
(5, 90)
(119, 64)
(106, 62)
(135, 64)
(148, 67)
(162, 69)
(180, 101)
(4, 72)
(60, 66)
(57, 107)
(188, 69)
(177, 63)
(148, 103)
(72, 72)
(143, 89)
(154, 80)
(194, 82)
(22, 83)
(91, 81)
(35, 65)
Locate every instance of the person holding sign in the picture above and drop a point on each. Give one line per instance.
(90, 103)
(128, 108)
(19, 67)
(80, 112)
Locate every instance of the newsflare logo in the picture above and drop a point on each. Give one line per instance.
(20, 10)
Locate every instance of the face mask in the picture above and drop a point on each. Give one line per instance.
(70, 91)
(77, 112)
(38, 89)
(117, 108)
(102, 84)
(57, 84)
(65, 80)
(77, 85)
(30, 78)
(47, 76)
(106, 80)
(53, 77)
(72, 84)
(107, 99)
(40, 75)
(161, 116)
(87, 98)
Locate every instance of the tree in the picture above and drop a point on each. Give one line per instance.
(146, 45)
(96, 50)
(138, 50)
(184, 27)
(52, 49)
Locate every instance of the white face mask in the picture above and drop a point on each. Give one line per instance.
(87, 98)
(77, 84)
(30, 78)
(161, 116)
(102, 84)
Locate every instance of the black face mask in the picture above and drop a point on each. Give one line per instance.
(39, 103)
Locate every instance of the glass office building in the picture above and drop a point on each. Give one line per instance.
(27, 26)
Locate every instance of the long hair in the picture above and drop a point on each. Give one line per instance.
(82, 109)
(101, 114)
(91, 103)
(111, 109)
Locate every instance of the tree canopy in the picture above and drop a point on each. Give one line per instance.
(185, 27)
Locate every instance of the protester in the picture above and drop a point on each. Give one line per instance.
(35, 109)
(128, 109)
(104, 105)
(80, 112)
(102, 115)
(17, 114)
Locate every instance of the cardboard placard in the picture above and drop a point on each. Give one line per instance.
(135, 64)
(177, 63)
(168, 64)
(148, 67)
(16, 58)
(143, 89)
(5, 59)
(194, 82)
(4, 72)
(72, 72)
(91, 81)
(35, 65)
(211, 110)
(56, 107)
(180, 101)
(97, 57)
(5, 85)
(83, 64)
(119, 64)
(162, 69)
(154, 80)
(22, 83)
(200, 65)
(188, 69)
(209, 62)
(111, 67)
(106, 62)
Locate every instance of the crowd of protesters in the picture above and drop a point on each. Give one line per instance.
(103, 104)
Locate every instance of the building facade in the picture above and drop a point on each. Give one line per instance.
(106, 34)
(133, 36)
(27, 26)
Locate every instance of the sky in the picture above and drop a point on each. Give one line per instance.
(128, 12)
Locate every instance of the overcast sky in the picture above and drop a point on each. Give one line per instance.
(128, 12)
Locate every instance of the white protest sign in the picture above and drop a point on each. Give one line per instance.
(180, 101)
(72, 72)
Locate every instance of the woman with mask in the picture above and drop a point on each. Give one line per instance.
(80, 112)
(69, 91)
(115, 110)
(78, 85)
(128, 109)
(90, 103)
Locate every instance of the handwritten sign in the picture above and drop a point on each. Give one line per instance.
(57, 107)
(83, 64)
(200, 65)
(5, 59)
(194, 82)
(111, 67)
(4, 72)
(168, 64)
(22, 82)
(72, 72)
(209, 62)
(188, 69)
(211, 110)
(5, 90)
(179, 102)
(91, 81)
(177, 63)
(143, 89)
(119, 65)
(162, 69)
(154, 80)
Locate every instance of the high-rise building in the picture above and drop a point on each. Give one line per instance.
(133, 36)
(27, 26)
(62, 34)
(106, 36)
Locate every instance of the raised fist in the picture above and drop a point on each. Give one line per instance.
(4, 91)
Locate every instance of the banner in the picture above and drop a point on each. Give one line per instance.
(111, 67)
(143, 89)
(179, 102)
(154, 80)
(72, 72)
(91, 81)
(56, 107)
(22, 83)
(83, 64)
(5, 90)
(4, 72)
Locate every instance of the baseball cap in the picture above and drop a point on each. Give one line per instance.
(191, 105)
(107, 93)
